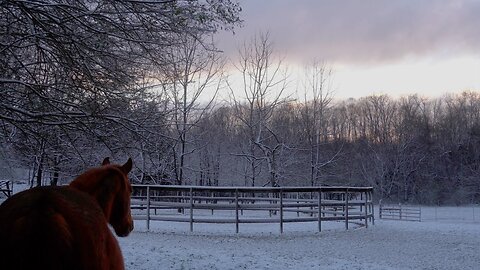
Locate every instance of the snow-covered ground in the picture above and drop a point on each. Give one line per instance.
(447, 238)
(444, 242)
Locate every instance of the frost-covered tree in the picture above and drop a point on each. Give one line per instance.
(315, 115)
(264, 79)
(85, 66)
(191, 80)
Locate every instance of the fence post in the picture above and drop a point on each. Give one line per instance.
(242, 203)
(366, 209)
(319, 210)
(212, 201)
(191, 209)
(9, 191)
(346, 210)
(148, 208)
(281, 211)
(361, 199)
(298, 208)
(380, 210)
(373, 206)
(236, 210)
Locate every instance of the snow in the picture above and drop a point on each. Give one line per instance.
(447, 238)
(441, 241)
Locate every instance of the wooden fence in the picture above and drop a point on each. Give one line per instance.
(6, 187)
(275, 205)
(400, 212)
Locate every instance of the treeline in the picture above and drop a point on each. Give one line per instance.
(410, 149)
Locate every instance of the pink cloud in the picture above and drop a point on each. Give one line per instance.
(355, 31)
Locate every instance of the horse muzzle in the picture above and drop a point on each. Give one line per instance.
(124, 230)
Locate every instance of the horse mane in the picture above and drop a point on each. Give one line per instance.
(104, 182)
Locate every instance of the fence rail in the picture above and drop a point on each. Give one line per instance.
(400, 212)
(200, 204)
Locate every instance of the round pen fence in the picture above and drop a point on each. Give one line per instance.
(236, 205)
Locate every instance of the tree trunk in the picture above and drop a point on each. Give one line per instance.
(40, 172)
(54, 181)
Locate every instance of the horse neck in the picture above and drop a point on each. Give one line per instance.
(95, 183)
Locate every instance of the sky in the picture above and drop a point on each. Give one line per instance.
(394, 47)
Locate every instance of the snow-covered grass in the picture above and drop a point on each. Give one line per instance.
(441, 243)
(447, 238)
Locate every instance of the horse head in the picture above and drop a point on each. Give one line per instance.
(110, 187)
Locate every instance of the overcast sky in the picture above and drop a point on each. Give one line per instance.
(396, 47)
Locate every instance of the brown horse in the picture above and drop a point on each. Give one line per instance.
(67, 227)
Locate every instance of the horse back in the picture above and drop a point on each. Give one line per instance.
(55, 228)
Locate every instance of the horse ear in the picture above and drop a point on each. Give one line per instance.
(106, 161)
(127, 167)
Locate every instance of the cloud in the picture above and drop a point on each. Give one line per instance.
(362, 31)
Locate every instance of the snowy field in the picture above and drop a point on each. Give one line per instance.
(447, 238)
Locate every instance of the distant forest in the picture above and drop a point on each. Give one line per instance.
(410, 149)
(128, 79)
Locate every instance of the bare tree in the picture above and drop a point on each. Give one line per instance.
(193, 70)
(379, 116)
(315, 114)
(81, 65)
(264, 80)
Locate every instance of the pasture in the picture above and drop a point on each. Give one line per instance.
(446, 238)
(449, 239)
